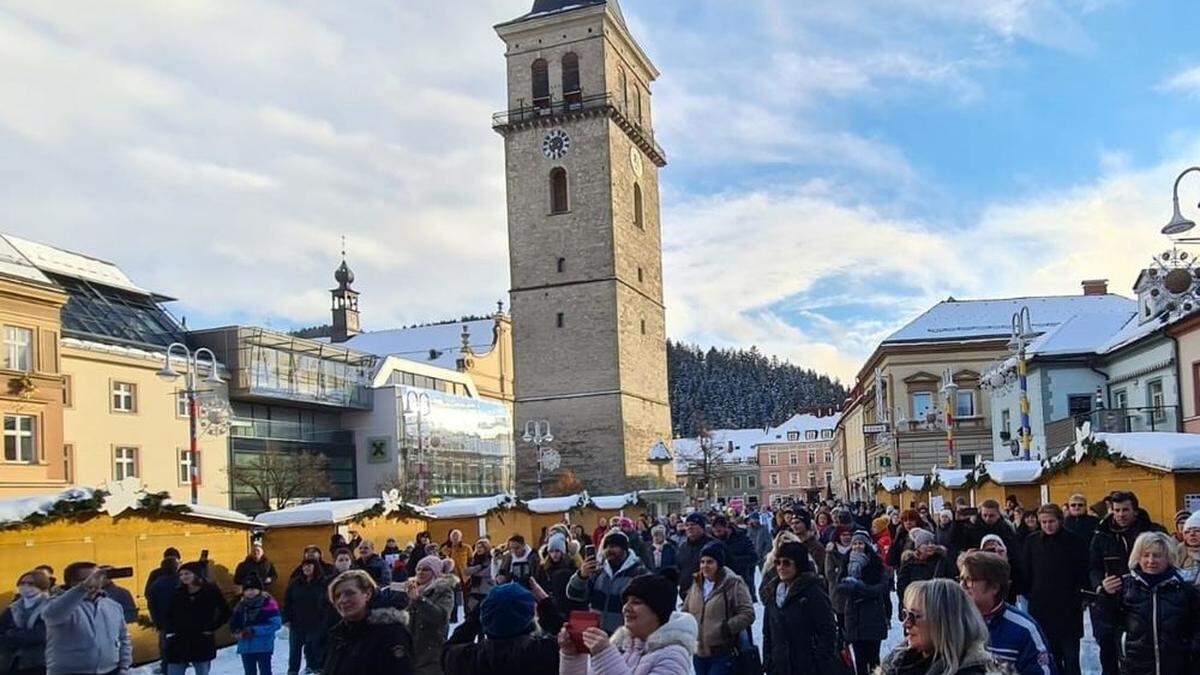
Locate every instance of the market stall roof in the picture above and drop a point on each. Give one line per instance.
(915, 483)
(952, 478)
(557, 504)
(892, 483)
(1014, 472)
(614, 502)
(22, 509)
(1162, 450)
(473, 506)
(317, 513)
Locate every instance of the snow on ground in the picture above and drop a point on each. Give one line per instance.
(229, 663)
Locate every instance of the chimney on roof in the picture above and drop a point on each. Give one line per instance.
(1095, 286)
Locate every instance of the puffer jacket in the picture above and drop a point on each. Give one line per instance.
(800, 636)
(1158, 627)
(602, 590)
(429, 621)
(1109, 542)
(726, 612)
(374, 565)
(376, 645)
(906, 661)
(868, 601)
(261, 619)
(668, 651)
(553, 577)
(912, 568)
(23, 636)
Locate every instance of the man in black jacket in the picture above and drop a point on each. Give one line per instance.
(742, 558)
(1051, 563)
(1113, 541)
(255, 564)
(370, 562)
(1079, 521)
(687, 556)
(308, 616)
(511, 642)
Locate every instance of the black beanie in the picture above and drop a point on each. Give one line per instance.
(657, 592)
(797, 553)
(715, 550)
(252, 581)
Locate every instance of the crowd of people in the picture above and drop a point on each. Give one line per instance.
(977, 591)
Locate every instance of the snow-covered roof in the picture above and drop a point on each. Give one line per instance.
(1131, 332)
(472, 506)
(981, 319)
(614, 502)
(1083, 333)
(557, 504)
(1168, 451)
(17, 510)
(1013, 472)
(317, 513)
(439, 344)
(75, 265)
(801, 423)
(952, 478)
(212, 512)
(13, 264)
(891, 483)
(738, 445)
(659, 452)
(915, 483)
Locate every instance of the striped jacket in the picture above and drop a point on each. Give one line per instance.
(1016, 640)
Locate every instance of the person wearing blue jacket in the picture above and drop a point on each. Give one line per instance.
(1014, 638)
(254, 622)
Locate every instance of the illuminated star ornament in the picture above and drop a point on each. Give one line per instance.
(391, 501)
(122, 495)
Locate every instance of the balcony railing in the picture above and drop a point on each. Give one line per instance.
(938, 424)
(546, 110)
(1061, 433)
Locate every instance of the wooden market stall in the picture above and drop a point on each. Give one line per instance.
(289, 530)
(124, 527)
(605, 507)
(1017, 478)
(497, 516)
(888, 490)
(950, 484)
(1162, 469)
(916, 490)
(547, 511)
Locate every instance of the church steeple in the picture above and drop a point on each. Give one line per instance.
(344, 302)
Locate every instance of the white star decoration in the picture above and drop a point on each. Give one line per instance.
(391, 501)
(122, 496)
(1083, 434)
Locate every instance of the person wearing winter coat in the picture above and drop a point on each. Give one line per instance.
(308, 616)
(925, 561)
(760, 535)
(720, 601)
(171, 553)
(194, 614)
(742, 558)
(254, 621)
(366, 641)
(1113, 540)
(518, 563)
(945, 633)
(866, 601)
(512, 642)
(158, 601)
(1079, 520)
(85, 629)
(601, 585)
(479, 575)
(1051, 560)
(1014, 637)
(22, 630)
(455, 549)
(1187, 554)
(314, 554)
(909, 521)
(1154, 612)
(994, 544)
(663, 551)
(430, 603)
(837, 558)
(555, 572)
(653, 639)
(799, 628)
(256, 564)
(372, 563)
(687, 555)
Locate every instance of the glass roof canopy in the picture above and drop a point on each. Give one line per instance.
(103, 313)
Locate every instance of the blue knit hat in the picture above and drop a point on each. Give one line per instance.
(697, 518)
(715, 550)
(507, 611)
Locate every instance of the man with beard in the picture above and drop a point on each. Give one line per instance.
(687, 556)
(740, 550)
(601, 586)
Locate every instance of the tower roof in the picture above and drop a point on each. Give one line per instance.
(546, 7)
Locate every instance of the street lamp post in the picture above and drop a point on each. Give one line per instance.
(1179, 224)
(416, 406)
(214, 423)
(950, 392)
(548, 459)
(1022, 333)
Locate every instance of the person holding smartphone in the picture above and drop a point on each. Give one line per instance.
(85, 629)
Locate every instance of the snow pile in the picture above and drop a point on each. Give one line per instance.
(317, 513)
(614, 502)
(891, 483)
(17, 510)
(557, 504)
(1162, 450)
(1017, 472)
(476, 506)
(915, 483)
(952, 478)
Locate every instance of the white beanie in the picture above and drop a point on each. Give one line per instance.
(920, 537)
(992, 537)
(1193, 522)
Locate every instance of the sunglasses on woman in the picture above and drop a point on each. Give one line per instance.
(783, 562)
(907, 616)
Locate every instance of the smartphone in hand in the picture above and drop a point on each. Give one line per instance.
(579, 621)
(1114, 566)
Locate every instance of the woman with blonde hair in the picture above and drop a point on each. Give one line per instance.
(945, 633)
(1187, 554)
(1156, 612)
(366, 640)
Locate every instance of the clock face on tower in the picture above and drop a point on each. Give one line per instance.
(555, 144)
(635, 161)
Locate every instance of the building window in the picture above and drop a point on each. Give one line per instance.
(812, 478)
(181, 404)
(68, 391)
(558, 320)
(793, 435)
(751, 482)
(639, 275)
(794, 478)
(561, 265)
(812, 457)
(185, 468)
(124, 397)
(541, 84)
(18, 348)
(829, 478)
(1006, 422)
(637, 206)
(69, 463)
(826, 434)
(124, 463)
(1079, 405)
(772, 459)
(810, 435)
(735, 482)
(637, 98)
(1120, 399)
(1156, 400)
(967, 461)
(570, 79)
(922, 405)
(828, 456)
(624, 92)
(964, 404)
(558, 190)
(773, 479)
(20, 438)
(792, 458)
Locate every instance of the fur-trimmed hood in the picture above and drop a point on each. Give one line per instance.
(386, 615)
(681, 630)
(911, 554)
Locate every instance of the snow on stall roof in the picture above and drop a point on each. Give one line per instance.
(75, 265)
(891, 483)
(1169, 451)
(952, 478)
(1013, 472)
(472, 506)
(317, 513)
(414, 344)
(557, 504)
(213, 512)
(17, 510)
(614, 502)
(978, 319)
(915, 483)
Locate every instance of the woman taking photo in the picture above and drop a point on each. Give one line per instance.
(1156, 613)
(430, 603)
(653, 640)
(196, 611)
(721, 604)
(945, 634)
(22, 631)
(372, 641)
(799, 633)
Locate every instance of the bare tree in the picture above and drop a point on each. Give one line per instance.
(707, 464)
(277, 478)
(567, 483)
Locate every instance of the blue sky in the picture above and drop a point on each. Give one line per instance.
(835, 167)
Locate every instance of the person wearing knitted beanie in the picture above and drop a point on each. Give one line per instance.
(656, 592)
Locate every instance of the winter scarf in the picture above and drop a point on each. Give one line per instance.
(25, 613)
(250, 607)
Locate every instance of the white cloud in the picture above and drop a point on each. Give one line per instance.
(1186, 81)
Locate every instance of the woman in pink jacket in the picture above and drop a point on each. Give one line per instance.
(655, 640)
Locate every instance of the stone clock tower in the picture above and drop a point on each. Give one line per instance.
(585, 247)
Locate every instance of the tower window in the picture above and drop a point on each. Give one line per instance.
(637, 98)
(637, 206)
(643, 326)
(624, 93)
(558, 320)
(639, 275)
(561, 266)
(572, 93)
(558, 190)
(541, 84)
